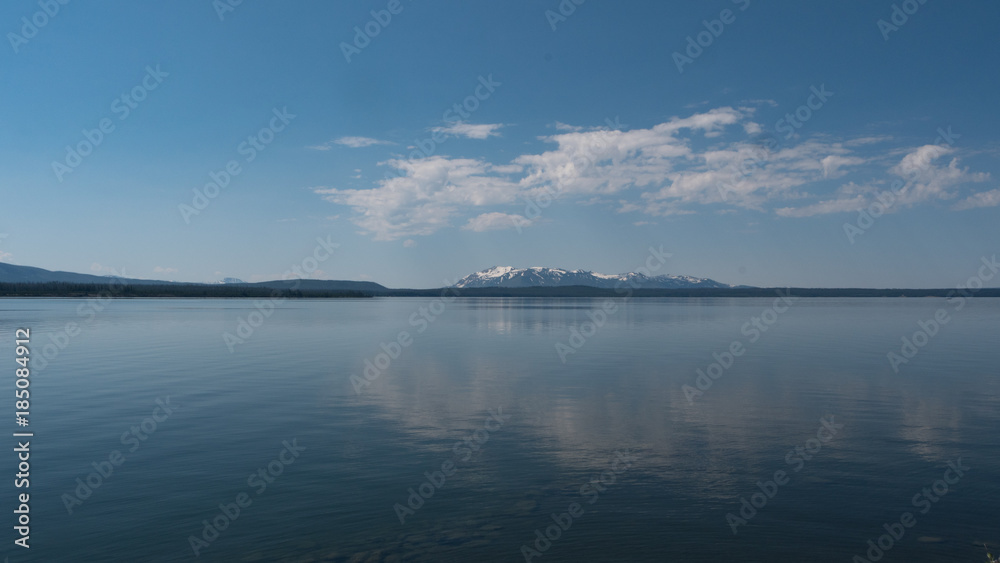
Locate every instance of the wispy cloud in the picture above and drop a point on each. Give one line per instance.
(566, 127)
(824, 207)
(760, 102)
(981, 199)
(833, 164)
(926, 180)
(495, 222)
(920, 177)
(425, 197)
(868, 140)
(352, 142)
(671, 168)
(471, 130)
(162, 270)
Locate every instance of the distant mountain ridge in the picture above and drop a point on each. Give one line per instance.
(507, 276)
(10, 273)
(497, 277)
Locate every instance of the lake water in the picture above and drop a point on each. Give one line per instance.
(608, 440)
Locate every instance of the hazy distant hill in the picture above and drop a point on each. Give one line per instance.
(9, 273)
(323, 285)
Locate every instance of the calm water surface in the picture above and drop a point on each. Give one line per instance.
(362, 446)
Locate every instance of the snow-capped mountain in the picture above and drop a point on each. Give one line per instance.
(230, 280)
(506, 276)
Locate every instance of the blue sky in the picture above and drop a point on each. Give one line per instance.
(585, 114)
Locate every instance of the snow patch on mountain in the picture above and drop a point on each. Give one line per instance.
(508, 276)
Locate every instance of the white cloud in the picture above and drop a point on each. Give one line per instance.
(667, 169)
(597, 162)
(470, 130)
(741, 175)
(560, 126)
(919, 160)
(824, 207)
(981, 199)
(868, 140)
(609, 161)
(409, 243)
(496, 222)
(922, 179)
(833, 163)
(662, 162)
(432, 191)
(761, 102)
(425, 198)
(352, 142)
(926, 181)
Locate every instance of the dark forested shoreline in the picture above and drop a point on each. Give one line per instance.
(185, 291)
(251, 291)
